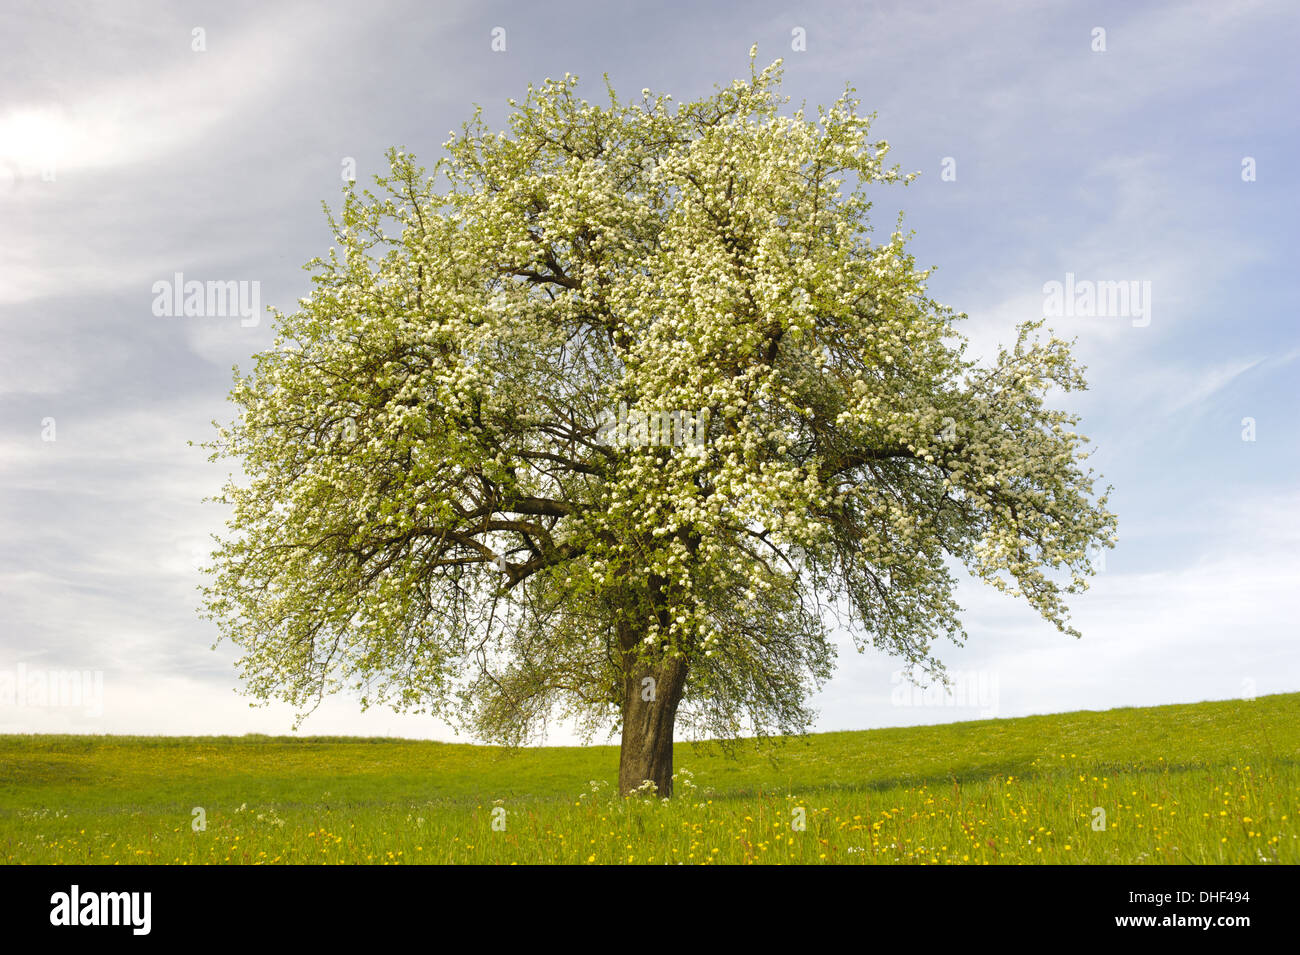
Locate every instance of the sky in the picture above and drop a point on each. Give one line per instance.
(142, 140)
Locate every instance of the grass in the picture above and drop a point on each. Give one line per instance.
(1211, 782)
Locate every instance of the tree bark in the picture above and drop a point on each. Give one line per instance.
(649, 711)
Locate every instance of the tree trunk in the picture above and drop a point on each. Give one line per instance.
(649, 711)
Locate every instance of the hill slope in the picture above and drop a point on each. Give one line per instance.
(1206, 782)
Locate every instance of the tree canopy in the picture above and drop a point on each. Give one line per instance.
(438, 510)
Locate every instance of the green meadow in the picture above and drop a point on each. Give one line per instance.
(1214, 782)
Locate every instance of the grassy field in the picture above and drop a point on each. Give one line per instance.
(1202, 783)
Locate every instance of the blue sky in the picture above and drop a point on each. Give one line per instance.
(127, 156)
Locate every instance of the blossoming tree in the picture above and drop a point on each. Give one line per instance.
(435, 512)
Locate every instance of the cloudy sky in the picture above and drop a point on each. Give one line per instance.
(142, 140)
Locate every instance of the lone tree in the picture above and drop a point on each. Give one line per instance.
(615, 417)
